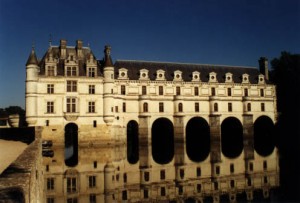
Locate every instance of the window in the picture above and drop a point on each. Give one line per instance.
(91, 89)
(162, 191)
(160, 90)
(124, 107)
(124, 195)
(123, 90)
(144, 90)
(249, 182)
(196, 91)
(125, 178)
(230, 107)
(161, 107)
(249, 107)
(265, 179)
(216, 185)
(92, 181)
(146, 194)
(177, 90)
(71, 185)
(162, 175)
(180, 190)
(91, 107)
(50, 107)
(198, 188)
(197, 109)
(72, 200)
(265, 165)
(47, 122)
(246, 92)
(71, 105)
(213, 91)
(47, 168)
(51, 71)
(71, 71)
(180, 107)
(232, 183)
(50, 88)
(50, 183)
(71, 86)
(215, 107)
(91, 72)
(217, 170)
(50, 199)
(145, 107)
(181, 173)
(116, 109)
(94, 123)
(198, 171)
(93, 198)
(95, 164)
(262, 106)
(229, 91)
(262, 93)
(146, 176)
(231, 168)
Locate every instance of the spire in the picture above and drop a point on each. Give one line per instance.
(32, 60)
(107, 59)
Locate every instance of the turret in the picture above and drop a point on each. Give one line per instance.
(63, 48)
(108, 87)
(109, 188)
(32, 70)
(263, 67)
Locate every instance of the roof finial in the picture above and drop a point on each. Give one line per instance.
(50, 40)
(33, 44)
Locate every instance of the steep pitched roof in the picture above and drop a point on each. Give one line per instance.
(32, 59)
(187, 70)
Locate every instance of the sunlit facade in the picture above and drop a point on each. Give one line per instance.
(143, 131)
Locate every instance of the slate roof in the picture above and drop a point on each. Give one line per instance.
(134, 67)
(32, 60)
(69, 50)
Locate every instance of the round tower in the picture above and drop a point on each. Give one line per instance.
(109, 187)
(32, 70)
(108, 87)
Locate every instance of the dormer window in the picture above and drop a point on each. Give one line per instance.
(196, 76)
(123, 73)
(71, 71)
(91, 72)
(261, 79)
(144, 74)
(177, 75)
(160, 74)
(51, 70)
(245, 78)
(228, 77)
(212, 77)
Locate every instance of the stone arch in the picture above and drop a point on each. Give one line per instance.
(132, 132)
(162, 140)
(71, 144)
(231, 137)
(197, 139)
(264, 140)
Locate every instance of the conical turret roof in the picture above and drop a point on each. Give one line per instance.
(32, 59)
(107, 60)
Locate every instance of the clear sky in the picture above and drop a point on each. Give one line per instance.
(231, 32)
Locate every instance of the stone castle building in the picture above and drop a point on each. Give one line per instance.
(139, 131)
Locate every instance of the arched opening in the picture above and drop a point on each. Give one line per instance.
(264, 136)
(232, 137)
(162, 137)
(132, 142)
(197, 139)
(71, 144)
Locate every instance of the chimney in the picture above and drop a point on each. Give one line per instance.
(62, 47)
(79, 48)
(263, 67)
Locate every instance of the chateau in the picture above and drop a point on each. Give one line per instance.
(141, 131)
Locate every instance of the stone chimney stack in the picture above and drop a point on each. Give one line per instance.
(63, 48)
(263, 67)
(79, 48)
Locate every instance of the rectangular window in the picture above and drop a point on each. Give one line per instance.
(50, 199)
(91, 72)
(232, 183)
(91, 107)
(262, 93)
(92, 181)
(262, 106)
(50, 183)
(162, 191)
(217, 170)
(72, 200)
(125, 178)
(144, 90)
(71, 71)
(216, 185)
(91, 89)
(146, 194)
(50, 107)
(197, 109)
(47, 122)
(71, 185)
(198, 188)
(50, 71)
(246, 92)
(123, 89)
(231, 168)
(198, 171)
(249, 107)
(93, 198)
(71, 86)
(124, 107)
(162, 175)
(94, 123)
(116, 109)
(265, 179)
(161, 107)
(50, 88)
(161, 90)
(229, 107)
(265, 165)
(229, 91)
(177, 90)
(213, 91)
(71, 105)
(196, 91)
(124, 195)
(95, 164)
(250, 166)
(180, 190)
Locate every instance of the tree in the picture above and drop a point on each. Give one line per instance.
(285, 75)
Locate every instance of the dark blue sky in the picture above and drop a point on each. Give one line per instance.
(231, 32)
